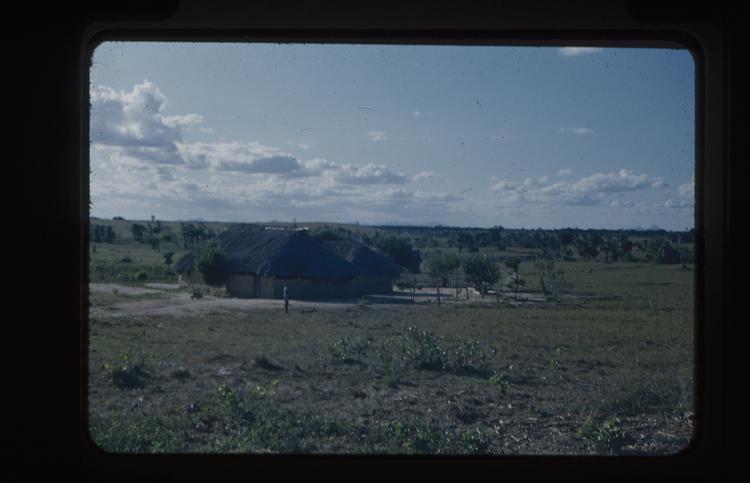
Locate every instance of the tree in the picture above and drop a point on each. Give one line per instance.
(154, 233)
(515, 281)
(138, 231)
(440, 266)
(496, 236)
(551, 277)
(588, 247)
(211, 264)
(480, 272)
(464, 240)
(102, 234)
(401, 252)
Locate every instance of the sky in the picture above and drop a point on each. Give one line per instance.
(523, 137)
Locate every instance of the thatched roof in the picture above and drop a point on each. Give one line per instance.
(184, 263)
(280, 253)
(367, 261)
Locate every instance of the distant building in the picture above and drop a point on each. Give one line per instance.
(260, 261)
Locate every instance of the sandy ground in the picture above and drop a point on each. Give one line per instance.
(179, 303)
(168, 299)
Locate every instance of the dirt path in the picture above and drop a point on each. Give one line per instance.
(176, 303)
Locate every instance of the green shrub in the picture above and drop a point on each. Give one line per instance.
(471, 357)
(136, 434)
(127, 372)
(425, 349)
(608, 437)
(473, 442)
(499, 381)
(211, 264)
(349, 349)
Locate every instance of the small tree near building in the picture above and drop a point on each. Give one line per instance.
(481, 272)
(210, 262)
(440, 267)
(514, 280)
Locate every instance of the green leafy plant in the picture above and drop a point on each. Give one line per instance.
(499, 381)
(349, 350)
(473, 441)
(425, 349)
(607, 437)
(471, 357)
(126, 372)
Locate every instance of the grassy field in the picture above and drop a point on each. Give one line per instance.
(606, 369)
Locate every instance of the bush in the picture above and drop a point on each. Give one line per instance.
(348, 349)
(608, 437)
(211, 264)
(470, 357)
(499, 381)
(425, 349)
(126, 373)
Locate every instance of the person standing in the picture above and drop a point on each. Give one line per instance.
(286, 300)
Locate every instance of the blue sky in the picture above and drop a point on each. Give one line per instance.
(454, 135)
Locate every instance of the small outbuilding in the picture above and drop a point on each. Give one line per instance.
(375, 273)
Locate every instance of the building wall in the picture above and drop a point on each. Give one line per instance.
(187, 279)
(373, 285)
(250, 285)
(242, 285)
(266, 289)
(315, 289)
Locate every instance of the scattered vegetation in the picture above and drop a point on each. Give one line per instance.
(500, 381)
(607, 437)
(126, 372)
(349, 349)
(600, 365)
(211, 264)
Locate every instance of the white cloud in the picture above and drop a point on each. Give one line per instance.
(574, 51)
(580, 131)
(248, 157)
(423, 175)
(188, 120)
(416, 113)
(623, 180)
(621, 203)
(377, 135)
(299, 145)
(687, 189)
(565, 172)
(673, 203)
(590, 190)
(133, 122)
(140, 161)
(367, 174)
(685, 196)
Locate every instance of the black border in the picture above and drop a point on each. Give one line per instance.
(53, 436)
